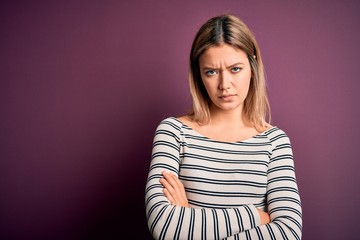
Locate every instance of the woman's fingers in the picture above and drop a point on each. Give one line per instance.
(173, 180)
(264, 217)
(166, 185)
(174, 190)
(168, 196)
(171, 186)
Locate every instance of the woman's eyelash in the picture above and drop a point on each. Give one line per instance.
(213, 72)
(210, 72)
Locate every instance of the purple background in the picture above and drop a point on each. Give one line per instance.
(83, 85)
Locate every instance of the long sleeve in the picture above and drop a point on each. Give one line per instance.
(283, 199)
(166, 221)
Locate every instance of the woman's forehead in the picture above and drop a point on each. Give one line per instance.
(223, 54)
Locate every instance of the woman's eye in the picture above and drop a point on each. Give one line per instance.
(210, 72)
(235, 69)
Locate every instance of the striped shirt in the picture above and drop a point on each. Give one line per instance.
(224, 182)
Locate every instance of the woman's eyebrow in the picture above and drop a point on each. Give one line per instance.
(235, 64)
(214, 68)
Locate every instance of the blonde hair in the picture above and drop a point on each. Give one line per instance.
(229, 29)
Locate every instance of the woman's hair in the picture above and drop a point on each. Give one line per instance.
(228, 29)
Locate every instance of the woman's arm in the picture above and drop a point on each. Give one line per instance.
(166, 221)
(283, 199)
(174, 191)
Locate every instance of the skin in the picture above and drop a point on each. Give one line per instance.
(226, 75)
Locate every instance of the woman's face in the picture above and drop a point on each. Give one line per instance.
(226, 73)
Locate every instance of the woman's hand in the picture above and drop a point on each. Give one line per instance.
(264, 217)
(174, 190)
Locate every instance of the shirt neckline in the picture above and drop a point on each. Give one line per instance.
(219, 141)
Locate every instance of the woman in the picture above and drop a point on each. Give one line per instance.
(223, 171)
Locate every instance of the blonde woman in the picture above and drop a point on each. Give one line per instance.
(222, 171)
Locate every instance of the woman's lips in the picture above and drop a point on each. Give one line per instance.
(227, 96)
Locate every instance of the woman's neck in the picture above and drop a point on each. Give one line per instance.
(230, 118)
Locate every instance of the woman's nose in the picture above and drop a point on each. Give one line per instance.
(225, 81)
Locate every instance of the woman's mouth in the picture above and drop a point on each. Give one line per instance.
(227, 97)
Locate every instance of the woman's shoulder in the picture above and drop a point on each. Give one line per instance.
(178, 120)
(276, 135)
(170, 123)
(185, 120)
